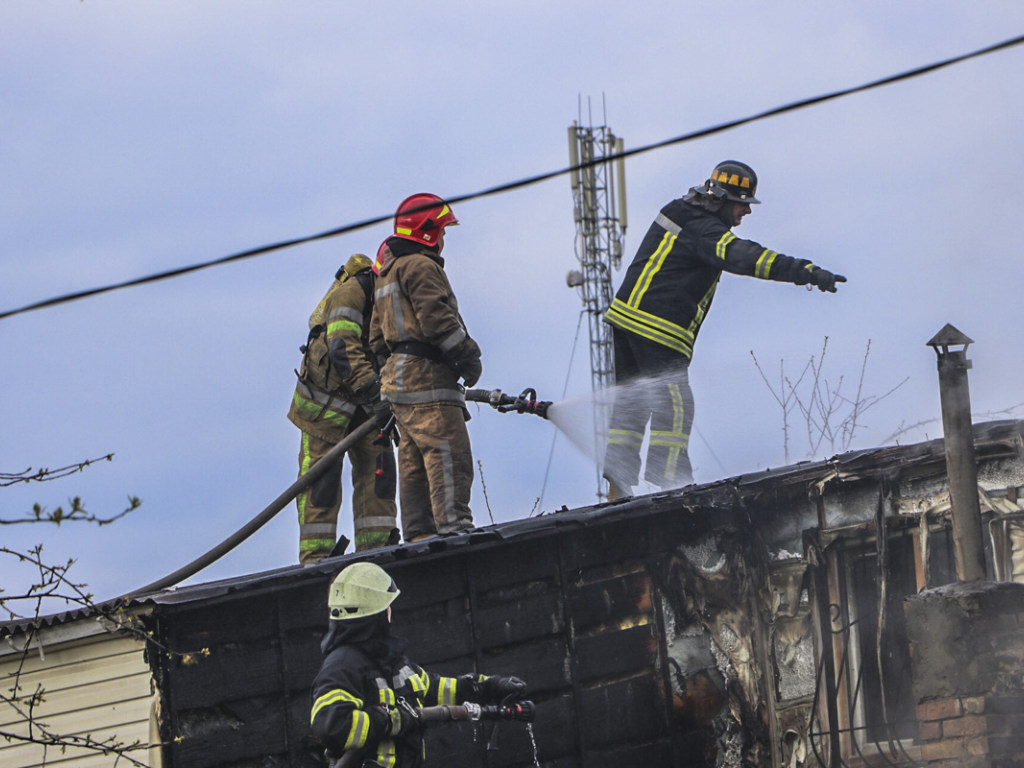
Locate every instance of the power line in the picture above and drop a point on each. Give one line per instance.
(524, 182)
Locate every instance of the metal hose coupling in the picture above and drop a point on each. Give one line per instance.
(525, 402)
(521, 711)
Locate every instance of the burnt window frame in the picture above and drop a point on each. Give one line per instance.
(853, 554)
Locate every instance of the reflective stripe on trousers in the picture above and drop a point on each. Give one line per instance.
(374, 517)
(435, 468)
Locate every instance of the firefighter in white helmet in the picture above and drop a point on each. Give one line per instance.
(418, 331)
(366, 692)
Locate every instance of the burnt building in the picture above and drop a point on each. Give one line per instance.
(808, 615)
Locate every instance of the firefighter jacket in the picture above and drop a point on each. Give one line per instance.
(364, 667)
(337, 368)
(668, 287)
(417, 327)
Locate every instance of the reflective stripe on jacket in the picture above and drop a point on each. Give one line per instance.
(668, 288)
(415, 303)
(338, 362)
(350, 682)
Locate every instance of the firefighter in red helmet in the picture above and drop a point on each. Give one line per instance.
(422, 339)
(658, 311)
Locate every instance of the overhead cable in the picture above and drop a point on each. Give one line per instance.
(524, 182)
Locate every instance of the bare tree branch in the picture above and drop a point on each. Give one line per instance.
(76, 513)
(830, 417)
(49, 585)
(45, 474)
(1012, 411)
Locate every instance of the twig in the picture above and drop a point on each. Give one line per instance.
(77, 514)
(829, 415)
(45, 474)
(483, 487)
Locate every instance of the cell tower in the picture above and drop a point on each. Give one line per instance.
(599, 208)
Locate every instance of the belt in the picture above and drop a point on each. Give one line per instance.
(420, 349)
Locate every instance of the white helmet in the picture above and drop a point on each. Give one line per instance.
(361, 589)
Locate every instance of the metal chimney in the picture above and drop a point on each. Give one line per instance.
(961, 467)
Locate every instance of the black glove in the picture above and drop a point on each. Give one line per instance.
(391, 722)
(370, 395)
(381, 412)
(380, 723)
(470, 369)
(825, 280)
(498, 689)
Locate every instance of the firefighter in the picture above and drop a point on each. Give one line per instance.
(365, 695)
(418, 332)
(337, 388)
(657, 313)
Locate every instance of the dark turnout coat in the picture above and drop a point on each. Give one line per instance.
(669, 286)
(363, 667)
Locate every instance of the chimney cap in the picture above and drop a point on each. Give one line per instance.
(949, 336)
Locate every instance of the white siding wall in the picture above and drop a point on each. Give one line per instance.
(98, 685)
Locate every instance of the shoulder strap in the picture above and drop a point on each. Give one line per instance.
(365, 279)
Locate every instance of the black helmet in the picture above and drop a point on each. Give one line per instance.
(731, 180)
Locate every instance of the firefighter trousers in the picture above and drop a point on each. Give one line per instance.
(374, 512)
(652, 385)
(435, 468)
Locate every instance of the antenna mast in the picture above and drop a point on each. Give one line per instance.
(599, 207)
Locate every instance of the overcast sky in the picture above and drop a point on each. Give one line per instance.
(140, 137)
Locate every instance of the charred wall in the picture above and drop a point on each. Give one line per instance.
(638, 634)
(725, 625)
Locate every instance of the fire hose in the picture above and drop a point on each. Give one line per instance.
(263, 517)
(526, 402)
(520, 711)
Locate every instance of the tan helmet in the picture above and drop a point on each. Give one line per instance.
(361, 589)
(356, 263)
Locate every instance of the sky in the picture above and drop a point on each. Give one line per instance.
(142, 137)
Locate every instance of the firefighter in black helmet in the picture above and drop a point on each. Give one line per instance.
(658, 311)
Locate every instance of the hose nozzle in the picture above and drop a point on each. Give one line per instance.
(526, 402)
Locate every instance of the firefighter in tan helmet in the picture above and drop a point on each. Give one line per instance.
(418, 331)
(337, 387)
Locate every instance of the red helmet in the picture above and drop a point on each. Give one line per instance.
(421, 218)
(383, 254)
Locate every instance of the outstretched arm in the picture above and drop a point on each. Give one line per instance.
(746, 257)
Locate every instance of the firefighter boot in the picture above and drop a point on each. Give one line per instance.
(616, 492)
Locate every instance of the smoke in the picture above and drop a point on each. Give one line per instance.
(586, 422)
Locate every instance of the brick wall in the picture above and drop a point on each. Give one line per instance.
(967, 646)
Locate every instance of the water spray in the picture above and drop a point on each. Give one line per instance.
(585, 420)
(526, 402)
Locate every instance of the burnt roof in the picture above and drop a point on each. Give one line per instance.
(993, 440)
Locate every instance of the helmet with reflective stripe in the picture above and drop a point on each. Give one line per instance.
(421, 217)
(361, 589)
(731, 180)
(383, 254)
